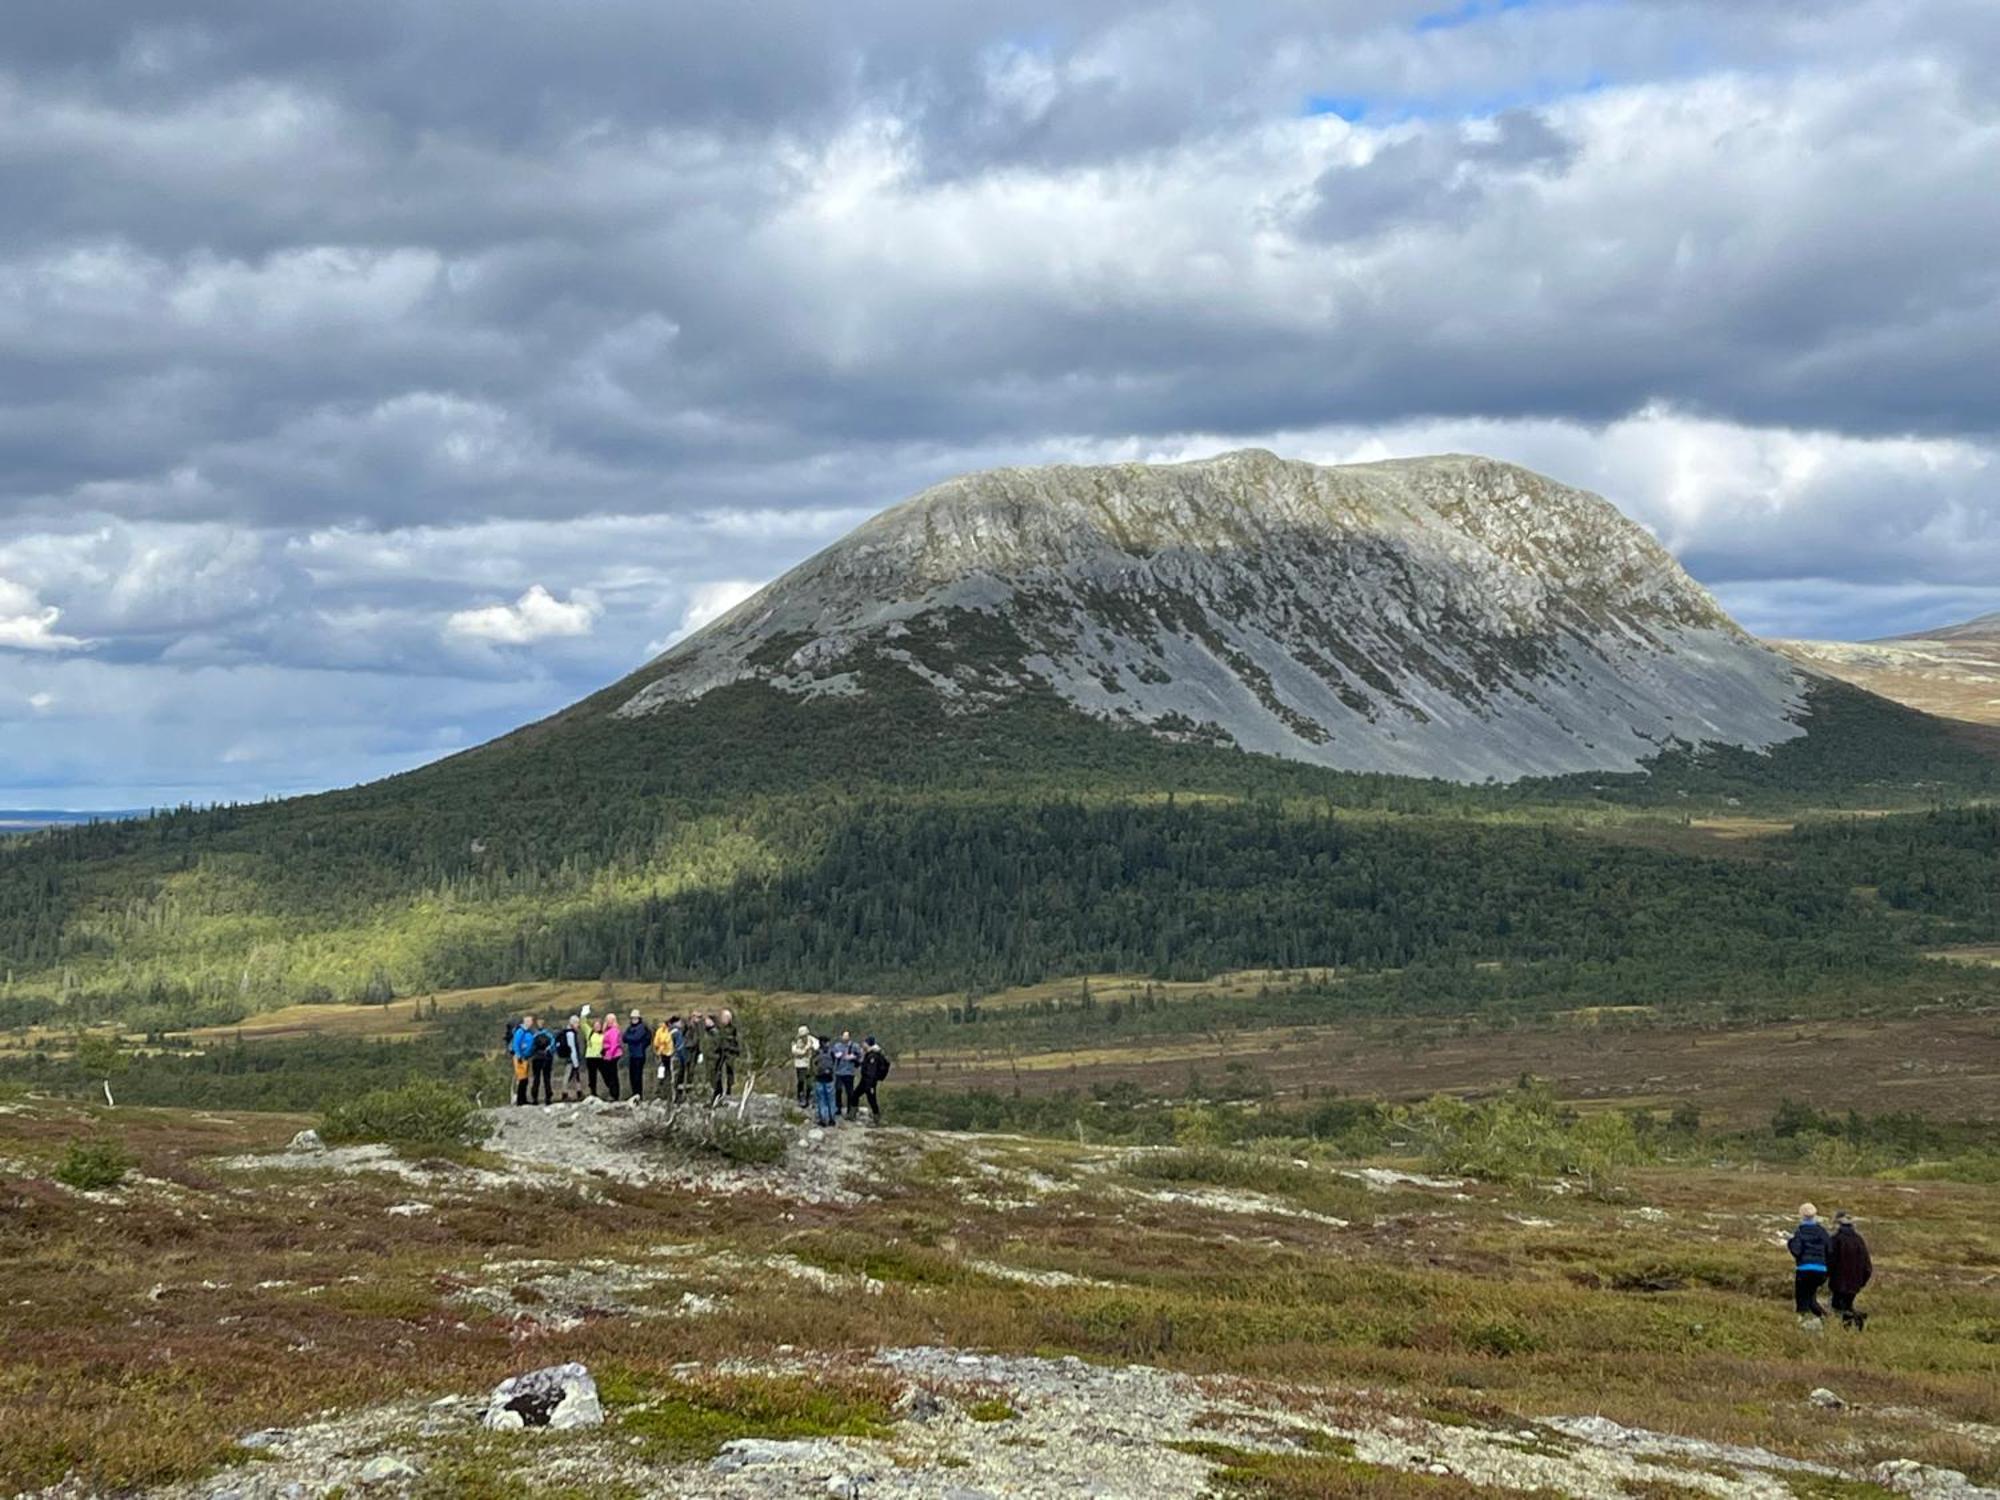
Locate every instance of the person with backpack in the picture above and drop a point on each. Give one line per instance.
(520, 1043)
(874, 1068)
(1848, 1270)
(804, 1045)
(638, 1042)
(569, 1045)
(1810, 1245)
(541, 1066)
(825, 1109)
(846, 1072)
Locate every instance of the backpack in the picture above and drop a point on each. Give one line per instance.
(542, 1045)
(823, 1066)
(512, 1027)
(881, 1068)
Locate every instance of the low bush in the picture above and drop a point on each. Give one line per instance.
(91, 1165)
(423, 1112)
(714, 1134)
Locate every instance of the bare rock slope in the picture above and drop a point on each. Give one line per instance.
(1450, 616)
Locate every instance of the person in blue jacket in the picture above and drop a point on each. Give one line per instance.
(521, 1045)
(1810, 1245)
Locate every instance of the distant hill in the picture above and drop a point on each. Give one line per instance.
(1952, 671)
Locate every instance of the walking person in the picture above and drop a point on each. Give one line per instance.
(804, 1045)
(825, 1108)
(874, 1068)
(614, 1049)
(593, 1053)
(541, 1066)
(638, 1042)
(1848, 1270)
(1810, 1245)
(520, 1043)
(846, 1072)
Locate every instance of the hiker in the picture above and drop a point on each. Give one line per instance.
(874, 1068)
(825, 1108)
(541, 1066)
(846, 1070)
(593, 1053)
(804, 1045)
(677, 1056)
(1848, 1270)
(728, 1047)
(614, 1048)
(1809, 1244)
(520, 1041)
(638, 1042)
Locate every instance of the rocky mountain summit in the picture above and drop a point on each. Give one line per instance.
(1449, 616)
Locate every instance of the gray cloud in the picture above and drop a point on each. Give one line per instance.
(320, 327)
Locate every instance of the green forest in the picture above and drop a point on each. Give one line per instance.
(881, 844)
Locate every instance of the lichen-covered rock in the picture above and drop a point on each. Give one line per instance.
(307, 1140)
(559, 1397)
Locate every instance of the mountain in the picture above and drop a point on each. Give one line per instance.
(1451, 617)
(998, 734)
(1952, 671)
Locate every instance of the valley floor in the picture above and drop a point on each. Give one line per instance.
(898, 1312)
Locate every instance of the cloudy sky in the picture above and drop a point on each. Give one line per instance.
(376, 376)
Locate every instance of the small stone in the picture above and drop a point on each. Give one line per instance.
(307, 1140)
(843, 1485)
(260, 1440)
(1825, 1400)
(385, 1468)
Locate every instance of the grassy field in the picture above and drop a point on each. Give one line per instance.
(149, 1327)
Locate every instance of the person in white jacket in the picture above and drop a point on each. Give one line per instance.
(804, 1045)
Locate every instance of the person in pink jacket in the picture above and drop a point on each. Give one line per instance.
(614, 1049)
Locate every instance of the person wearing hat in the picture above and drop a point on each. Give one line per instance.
(1848, 1270)
(874, 1068)
(1810, 1245)
(804, 1045)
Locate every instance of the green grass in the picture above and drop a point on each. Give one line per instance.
(689, 1421)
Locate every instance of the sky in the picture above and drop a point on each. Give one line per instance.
(375, 377)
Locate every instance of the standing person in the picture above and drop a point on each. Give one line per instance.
(541, 1066)
(593, 1053)
(846, 1070)
(572, 1051)
(614, 1048)
(638, 1042)
(825, 1109)
(728, 1047)
(874, 1068)
(1810, 1245)
(1848, 1269)
(804, 1045)
(520, 1043)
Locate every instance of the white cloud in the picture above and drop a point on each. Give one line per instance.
(708, 602)
(27, 624)
(536, 616)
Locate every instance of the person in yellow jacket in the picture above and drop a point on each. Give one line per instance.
(593, 1054)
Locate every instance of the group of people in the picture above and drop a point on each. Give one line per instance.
(593, 1053)
(834, 1077)
(1838, 1261)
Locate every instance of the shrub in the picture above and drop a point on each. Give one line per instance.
(423, 1112)
(713, 1134)
(90, 1165)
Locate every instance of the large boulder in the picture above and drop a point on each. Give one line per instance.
(559, 1397)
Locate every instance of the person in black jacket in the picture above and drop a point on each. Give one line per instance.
(874, 1068)
(1810, 1245)
(638, 1042)
(1848, 1270)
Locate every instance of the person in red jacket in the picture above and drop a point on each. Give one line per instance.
(1848, 1270)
